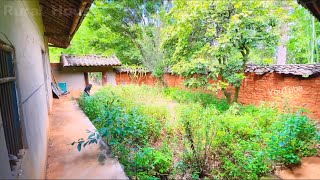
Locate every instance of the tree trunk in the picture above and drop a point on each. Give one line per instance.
(282, 48)
(227, 94)
(163, 82)
(236, 94)
(313, 41)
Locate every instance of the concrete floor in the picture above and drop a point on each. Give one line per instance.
(68, 123)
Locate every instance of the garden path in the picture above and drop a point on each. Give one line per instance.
(67, 124)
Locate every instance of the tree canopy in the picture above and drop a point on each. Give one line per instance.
(221, 35)
(213, 39)
(115, 27)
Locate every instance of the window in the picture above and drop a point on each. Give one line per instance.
(8, 102)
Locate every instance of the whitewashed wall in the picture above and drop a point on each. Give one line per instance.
(75, 80)
(21, 22)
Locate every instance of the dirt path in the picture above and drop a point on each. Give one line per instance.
(67, 124)
(309, 169)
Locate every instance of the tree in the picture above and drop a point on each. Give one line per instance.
(153, 57)
(127, 19)
(228, 31)
(304, 34)
(96, 37)
(140, 23)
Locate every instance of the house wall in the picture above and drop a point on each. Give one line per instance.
(22, 25)
(111, 77)
(284, 90)
(75, 80)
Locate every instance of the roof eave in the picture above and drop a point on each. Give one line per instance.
(313, 6)
(57, 39)
(65, 62)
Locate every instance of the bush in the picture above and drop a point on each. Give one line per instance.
(150, 163)
(294, 136)
(207, 137)
(128, 127)
(198, 131)
(234, 141)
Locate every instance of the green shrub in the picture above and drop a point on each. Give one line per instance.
(293, 137)
(128, 127)
(245, 159)
(207, 137)
(90, 106)
(198, 131)
(150, 163)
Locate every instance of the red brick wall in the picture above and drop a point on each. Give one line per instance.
(284, 90)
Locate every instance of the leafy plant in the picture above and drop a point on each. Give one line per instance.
(201, 137)
(93, 138)
(128, 128)
(149, 162)
(294, 137)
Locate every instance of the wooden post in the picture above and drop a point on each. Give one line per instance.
(86, 78)
(104, 78)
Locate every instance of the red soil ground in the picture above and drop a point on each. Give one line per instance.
(309, 169)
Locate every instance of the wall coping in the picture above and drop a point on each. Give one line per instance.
(304, 70)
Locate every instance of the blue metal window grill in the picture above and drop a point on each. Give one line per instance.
(8, 101)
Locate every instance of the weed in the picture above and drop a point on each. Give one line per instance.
(202, 137)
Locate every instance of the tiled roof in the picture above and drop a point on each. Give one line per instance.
(304, 70)
(89, 61)
(131, 70)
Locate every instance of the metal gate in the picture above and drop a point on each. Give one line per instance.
(8, 101)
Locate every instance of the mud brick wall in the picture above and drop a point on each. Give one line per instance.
(285, 90)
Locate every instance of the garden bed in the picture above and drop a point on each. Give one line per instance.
(170, 133)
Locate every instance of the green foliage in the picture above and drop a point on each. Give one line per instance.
(113, 27)
(100, 41)
(245, 141)
(150, 163)
(128, 127)
(117, 123)
(301, 37)
(92, 139)
(233, 73)
(185, 31)
(233, 141)
(294, 137)
(188, 30)
(153, 57)
(214, 39)
(197, 136)
(198, 126)
(204, 99)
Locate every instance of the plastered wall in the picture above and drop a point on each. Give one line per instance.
(21, 26)
(75, 80)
